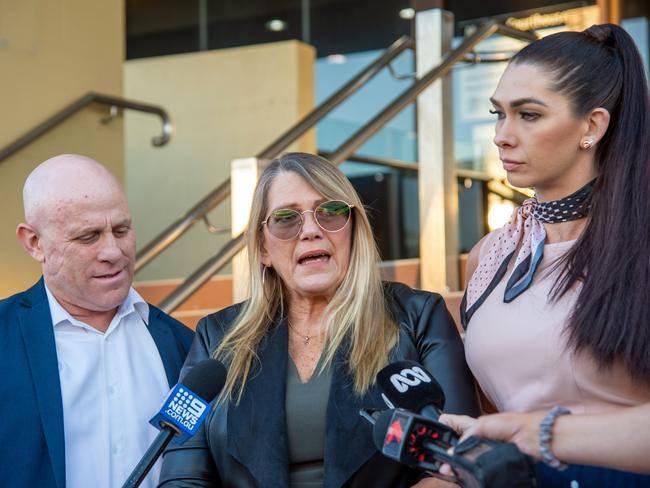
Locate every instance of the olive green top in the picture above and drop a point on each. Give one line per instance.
(306, 408)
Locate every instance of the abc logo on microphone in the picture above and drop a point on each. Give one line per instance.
(409, 377)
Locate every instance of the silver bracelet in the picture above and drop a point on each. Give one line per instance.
(546, 434)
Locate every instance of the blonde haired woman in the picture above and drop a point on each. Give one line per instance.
(304, 350)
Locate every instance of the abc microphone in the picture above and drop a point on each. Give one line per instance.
(406, 384)
(421, 443)
(412, 439)
(182, 413)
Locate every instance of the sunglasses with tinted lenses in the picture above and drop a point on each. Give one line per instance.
(286, 223)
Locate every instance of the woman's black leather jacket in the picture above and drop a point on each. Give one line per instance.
(245, 445)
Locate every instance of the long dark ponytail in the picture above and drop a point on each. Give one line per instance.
(601, 67)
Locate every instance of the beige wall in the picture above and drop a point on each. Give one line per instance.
(52, 52)
(225, 104)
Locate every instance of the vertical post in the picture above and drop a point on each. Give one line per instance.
(610, 11)
(203, 25)
(244, 174)
(438, 193)
(305, 21)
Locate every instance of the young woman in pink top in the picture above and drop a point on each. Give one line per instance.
(557, 307)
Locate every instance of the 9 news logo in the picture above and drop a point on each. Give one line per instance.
(185, 403)
(185, 408)
(182, 410)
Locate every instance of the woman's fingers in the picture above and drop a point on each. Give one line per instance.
(460, 423)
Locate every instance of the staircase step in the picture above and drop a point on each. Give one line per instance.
(213, 295)
(452, 300)
(191, 317)
(405, 271)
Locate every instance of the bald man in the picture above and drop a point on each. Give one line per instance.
(85, 360)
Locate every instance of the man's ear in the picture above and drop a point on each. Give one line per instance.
(31, 241)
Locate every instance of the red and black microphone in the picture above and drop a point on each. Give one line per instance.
(412, 439)
(423, 443)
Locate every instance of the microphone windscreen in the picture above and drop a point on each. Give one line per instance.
(408, 385)
(382, 423)
(206, 379)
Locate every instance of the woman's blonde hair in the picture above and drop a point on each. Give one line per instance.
(356, 317)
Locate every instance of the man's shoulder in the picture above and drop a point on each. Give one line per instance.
(9, 307)
(175, 326)
(27, 298)
(12, 300)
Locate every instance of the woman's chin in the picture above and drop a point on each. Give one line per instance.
(316, 288)
(519, 181)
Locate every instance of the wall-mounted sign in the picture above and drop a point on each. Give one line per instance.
(575, 19)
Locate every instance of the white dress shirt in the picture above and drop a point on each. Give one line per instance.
(112, 383)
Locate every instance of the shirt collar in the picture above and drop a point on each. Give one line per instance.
(133, 303)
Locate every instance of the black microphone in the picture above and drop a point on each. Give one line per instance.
(412, 439)
(406, 384)
(182, 413)
(422, 443)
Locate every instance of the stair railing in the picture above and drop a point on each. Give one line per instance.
(197, 213)
(236, 244)
(492, 185)
(115, 103)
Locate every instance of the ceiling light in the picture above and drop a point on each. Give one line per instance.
(276, 25)
(407, 13)
(336, 59)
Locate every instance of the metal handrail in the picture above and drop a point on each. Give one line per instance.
(232, 247)
(507, 193)
(159, 243)
(492, 184)
(79, 104)
(390, 163)
(410, 94)
(394, 50)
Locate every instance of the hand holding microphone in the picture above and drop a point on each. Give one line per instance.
(422, 442)
(517, 427)
(182, 413)
(409, 388)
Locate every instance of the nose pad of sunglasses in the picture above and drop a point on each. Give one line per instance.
(309, 221)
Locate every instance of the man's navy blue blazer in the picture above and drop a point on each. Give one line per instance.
(32, 452)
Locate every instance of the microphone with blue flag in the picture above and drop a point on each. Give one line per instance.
(183, 410)
(182, 413)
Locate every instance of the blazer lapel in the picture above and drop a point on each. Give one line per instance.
(257, 426)
(348, 440)
(168, 349)
(38, 335)
(257, 430)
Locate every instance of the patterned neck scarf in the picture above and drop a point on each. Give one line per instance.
(525, 232)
